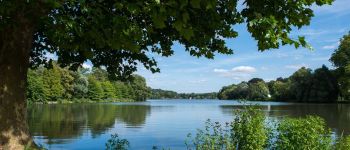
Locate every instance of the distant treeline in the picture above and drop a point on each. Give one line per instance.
(61, 84)
(305, 85)
(165, 94)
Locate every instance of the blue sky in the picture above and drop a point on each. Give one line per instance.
(183, 73)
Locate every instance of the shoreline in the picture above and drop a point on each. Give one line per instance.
(242, 100)
(88, 101)
(82, 101)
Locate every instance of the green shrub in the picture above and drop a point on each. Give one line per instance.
(213, 137)
(115, 143)
(342, 143)
(249, 131)
(308, 133)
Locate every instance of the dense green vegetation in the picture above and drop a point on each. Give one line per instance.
(115, 143)
(250, 130)
(120, 35)
(341, 60)
(166, 94)
(304, 85)
(246, 131)
(62, 85)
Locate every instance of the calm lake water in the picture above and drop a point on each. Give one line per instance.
(162, 123)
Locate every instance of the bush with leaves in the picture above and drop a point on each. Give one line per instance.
(249, 130)
(115, 143)
(303, 133)
(213, 137)
(342, 143)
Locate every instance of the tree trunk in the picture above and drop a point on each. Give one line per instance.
(15, 45)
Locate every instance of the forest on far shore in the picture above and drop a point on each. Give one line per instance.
(167, 94)
(304, 85)
(63, 85)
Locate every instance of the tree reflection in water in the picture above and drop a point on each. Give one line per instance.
(61, 123)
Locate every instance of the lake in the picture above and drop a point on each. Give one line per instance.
(162, 123)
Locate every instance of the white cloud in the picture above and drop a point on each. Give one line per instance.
(331, 46)
(244, 69)
(237, 73)
(296, 66)
(220, 70)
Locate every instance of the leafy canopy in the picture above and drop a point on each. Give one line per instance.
(341, 60)
(120, 34)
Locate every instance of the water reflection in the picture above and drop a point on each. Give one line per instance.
(337, 116)
(60, 123)
(164, 123)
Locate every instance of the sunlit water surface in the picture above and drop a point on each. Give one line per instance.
(161, 123)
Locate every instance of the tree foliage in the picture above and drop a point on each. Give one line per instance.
(258, 91)
(58, 84)
(95, 91)
(250, 131)
(304, 85)
(35, 90)
(341, 60)
(255, 89)
(80, 86)
(53, 89)
(303, 133)
(119, 34)
(166, 94)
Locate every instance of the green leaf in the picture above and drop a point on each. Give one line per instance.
(178, 25)
(302, 40)
(195, 3)
(187, 33)
(185, 17)
(158, 20)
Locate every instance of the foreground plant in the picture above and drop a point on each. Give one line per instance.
(248, 131)
(213, 137)
(343, 143)
(303, 133)
(115, 143)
